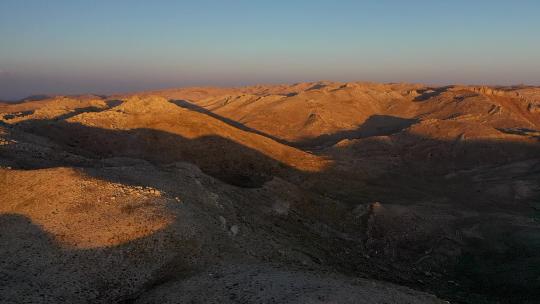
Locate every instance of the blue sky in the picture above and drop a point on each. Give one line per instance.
(114, 46)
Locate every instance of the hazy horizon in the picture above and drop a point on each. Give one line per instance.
(103, 47)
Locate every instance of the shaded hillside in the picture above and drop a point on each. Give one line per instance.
(314, 190)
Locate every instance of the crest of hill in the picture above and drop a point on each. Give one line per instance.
(51, 108)
(147, 104)
(200, 93)
(312, 113)
(169, 133)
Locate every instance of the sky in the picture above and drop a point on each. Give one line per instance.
(113, 46)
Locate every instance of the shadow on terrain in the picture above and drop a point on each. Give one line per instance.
(36, 268)
(17, 115)
(219, 157)
(34, 98)
(113, 102)
(317, 86)
(421, 159)
(376, 125)
(77, 112)
(193, 107)
(522, 131)
(428, 93)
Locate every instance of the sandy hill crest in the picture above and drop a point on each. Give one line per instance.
(139, 105)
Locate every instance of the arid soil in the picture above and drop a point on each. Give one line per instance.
(308, 193)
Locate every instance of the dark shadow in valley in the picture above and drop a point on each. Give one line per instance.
(219, 157)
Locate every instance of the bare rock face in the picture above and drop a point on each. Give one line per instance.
(489, 91)
(306, 193)
(151, 104)
(534, 107)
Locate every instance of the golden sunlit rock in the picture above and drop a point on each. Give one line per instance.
(195, 193)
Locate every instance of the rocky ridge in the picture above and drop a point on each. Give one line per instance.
(316, 191)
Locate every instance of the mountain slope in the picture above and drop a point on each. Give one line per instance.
(312, 186)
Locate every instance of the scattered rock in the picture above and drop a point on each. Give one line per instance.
(234, 230)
